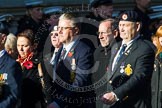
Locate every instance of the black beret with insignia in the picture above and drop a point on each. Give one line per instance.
(129, 15)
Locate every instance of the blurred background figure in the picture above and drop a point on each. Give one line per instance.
(155, 24)
(157, 74)
(44, 30)
(55, 42)
(11, 45)
(141, 8)
(33, 18)
(101, 9)
(10, 22)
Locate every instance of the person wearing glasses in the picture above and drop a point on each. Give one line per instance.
(107, 33)
(131, 67)
(73, 64)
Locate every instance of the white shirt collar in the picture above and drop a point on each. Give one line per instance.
(69, 46)
(130, 42)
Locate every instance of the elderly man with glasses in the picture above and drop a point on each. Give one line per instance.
(107, 33)
(72, 70)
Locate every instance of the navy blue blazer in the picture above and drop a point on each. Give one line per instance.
(130, 79)
(69, 79)
(10, 74)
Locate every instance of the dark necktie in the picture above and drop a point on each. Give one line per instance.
(121, 52)
(63, 52)
(119, 55)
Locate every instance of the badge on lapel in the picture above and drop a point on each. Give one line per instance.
(73, 68)
(71, 53)
(122, 67)
(3, 77)
(128, 70)
(3, 81)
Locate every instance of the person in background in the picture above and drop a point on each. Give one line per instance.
(155, 24)
(141, 8)
(131, 67)
(33, 19)
(55, 42)
(48, 63)
(32, 87)
(101, 9)
(11, 45)
(44, 31)
(10, 75)
(157, 75)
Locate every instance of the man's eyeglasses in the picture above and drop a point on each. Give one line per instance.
(64, 28)
(55, 34)
(104, 33)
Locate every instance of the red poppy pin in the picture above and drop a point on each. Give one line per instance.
(70, 54)
(28, 64)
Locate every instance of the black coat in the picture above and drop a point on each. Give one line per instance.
(80, 77)
(10, 82)
(156, 83)
(32, 92)
(102, 57)
(130, 79)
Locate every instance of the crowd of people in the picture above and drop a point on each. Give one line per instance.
(63, 62)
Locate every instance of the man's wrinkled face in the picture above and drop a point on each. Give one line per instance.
(105, 33)
(66, 31)
(55, 39)
(127, 30)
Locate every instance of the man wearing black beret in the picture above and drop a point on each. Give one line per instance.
(131, 67)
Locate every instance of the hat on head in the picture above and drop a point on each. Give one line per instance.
(3, 24)
(3, 28)
(129, 16)
(96, 3)
(33, 3)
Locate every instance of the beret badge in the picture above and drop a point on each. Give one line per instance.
(124, 16)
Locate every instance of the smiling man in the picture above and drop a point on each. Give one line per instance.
(131, 67)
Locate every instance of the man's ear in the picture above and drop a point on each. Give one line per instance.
(76, 32)
(115, 33)
(138, 25)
